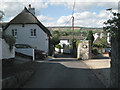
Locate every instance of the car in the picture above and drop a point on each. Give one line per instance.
(39, 54)
(22, 46)
(108, 50)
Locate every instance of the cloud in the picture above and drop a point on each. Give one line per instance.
(45, 18)
(81, 5)
(13, 8)
(85, 19)
(63, 19)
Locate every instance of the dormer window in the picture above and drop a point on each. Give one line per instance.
(33, 32)
(14, 32)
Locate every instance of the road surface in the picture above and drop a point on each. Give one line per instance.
(63, 73)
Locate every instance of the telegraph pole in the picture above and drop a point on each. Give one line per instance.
(73, 27)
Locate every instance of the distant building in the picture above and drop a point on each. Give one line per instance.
(108, 38)
(27, 29)
(66, 39)
(65, 42)
(101, 34)
(95, 36)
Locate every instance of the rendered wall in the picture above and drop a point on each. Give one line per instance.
(40, 41)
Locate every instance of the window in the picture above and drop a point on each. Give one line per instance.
(33, 32)
(14, 32)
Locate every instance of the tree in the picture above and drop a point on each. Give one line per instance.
(56, 32)
(113, 25)
(1, 15)
(10, 40)
(55, 38)
(90, 37)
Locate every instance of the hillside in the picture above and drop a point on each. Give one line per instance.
(77, 30)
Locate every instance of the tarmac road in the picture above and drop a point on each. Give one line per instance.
(63, 73)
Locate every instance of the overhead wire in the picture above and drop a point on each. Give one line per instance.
(71, 14)
(73, 8)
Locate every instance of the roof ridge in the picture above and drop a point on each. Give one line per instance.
(26, 17)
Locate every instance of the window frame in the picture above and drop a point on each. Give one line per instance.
(33, 33)
(14, 32)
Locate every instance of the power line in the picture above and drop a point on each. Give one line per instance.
(73, 8)
(71, 14)
(68, 21)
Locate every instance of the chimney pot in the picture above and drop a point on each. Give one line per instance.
(29, 5)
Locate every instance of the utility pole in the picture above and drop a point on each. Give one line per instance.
(73, 27)
(73, 42)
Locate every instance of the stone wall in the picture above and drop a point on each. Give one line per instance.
(17, 80)
(84, 50)
(115, 63)
(115, 58)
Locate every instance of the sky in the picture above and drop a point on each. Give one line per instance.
(87, 13)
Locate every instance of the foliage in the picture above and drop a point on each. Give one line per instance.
(56, 32)
(113, 24)
(1, 15)
(95, 51)
(10, 40)
(100, 42)
(58, 46)
(78, 41)
(55, 39)
(84, 33)
(90, 37)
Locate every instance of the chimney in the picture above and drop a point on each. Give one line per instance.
(32, 10)
(29, 5)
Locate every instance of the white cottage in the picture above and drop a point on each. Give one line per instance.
(27, 29)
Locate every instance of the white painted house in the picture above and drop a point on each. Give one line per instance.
(95, 36)
(27, 29)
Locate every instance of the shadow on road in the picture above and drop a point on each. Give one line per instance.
(61, 75)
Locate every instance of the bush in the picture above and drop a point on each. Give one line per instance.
(90, 37)
(58, 46)
(55, 39)
(78, 41)
(10, 40)
(95, 51)
(97, 45)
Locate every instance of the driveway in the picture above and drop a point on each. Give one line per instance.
(63, 73)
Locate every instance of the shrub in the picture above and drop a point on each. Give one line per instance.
(90, 37)
(78, 41)
(55, 39)
(10, 40)
(58, 46)
(95, 51)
